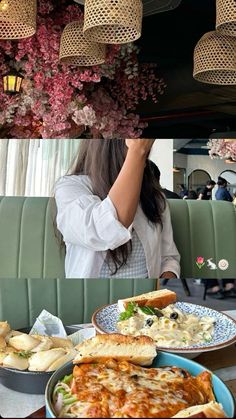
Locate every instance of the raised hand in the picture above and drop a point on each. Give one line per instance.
(140, 145)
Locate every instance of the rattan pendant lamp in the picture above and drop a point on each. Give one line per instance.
(215, 59)
(76, 49)
(17, 18)
(113, 21)
(226, 17)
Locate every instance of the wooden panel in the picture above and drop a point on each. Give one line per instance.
(218, 359)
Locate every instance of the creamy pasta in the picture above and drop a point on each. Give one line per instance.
(169, 327)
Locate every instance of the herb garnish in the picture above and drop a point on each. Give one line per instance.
(133, 308)
(24, 354)
(129, 312)
(148, 310)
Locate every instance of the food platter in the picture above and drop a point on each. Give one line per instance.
(105, 321)
(30, 382)
(222, 393)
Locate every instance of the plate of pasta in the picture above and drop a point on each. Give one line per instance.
(176, 327)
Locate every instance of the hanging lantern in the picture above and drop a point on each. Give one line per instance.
(112, 21)
(215, 59)
(4, 5)
(17, 18)
(226, 17)
(12, 82)
(75, 49)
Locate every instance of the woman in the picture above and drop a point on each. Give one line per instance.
(113, 215)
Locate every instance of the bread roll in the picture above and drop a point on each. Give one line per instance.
(41, 361)
(156, 299)
(61, 343)
(209, 410)
(45, 343)
(13, 360)
(3, 343)
(24, 342)
(11, 334)
(2, 356)
(69, 356)
(9, 349)
(4, 329)
(140, 350)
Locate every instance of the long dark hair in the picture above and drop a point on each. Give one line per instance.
(102, 161)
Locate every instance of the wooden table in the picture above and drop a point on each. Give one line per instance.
(223, 364)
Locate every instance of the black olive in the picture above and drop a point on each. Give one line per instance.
(135, 376)
(158, 313)
(174, 316)
(149, 322)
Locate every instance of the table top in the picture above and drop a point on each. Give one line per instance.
(221, 362)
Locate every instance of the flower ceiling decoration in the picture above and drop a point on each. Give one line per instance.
(224, 149)
(61, 101)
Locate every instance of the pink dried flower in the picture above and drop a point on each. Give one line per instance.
(85, 116)
(58, 98)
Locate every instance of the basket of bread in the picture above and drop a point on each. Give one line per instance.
(28, 360)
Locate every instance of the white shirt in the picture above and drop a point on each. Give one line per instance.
(90, 227)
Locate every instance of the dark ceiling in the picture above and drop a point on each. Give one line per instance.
(188, 109)
(191, 147)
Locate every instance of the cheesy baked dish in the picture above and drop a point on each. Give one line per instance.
(114, 387)
(152, 315)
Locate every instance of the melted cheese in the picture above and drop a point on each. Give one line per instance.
(123, 390)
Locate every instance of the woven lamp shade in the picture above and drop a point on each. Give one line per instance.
(113, 21)
(75, 49)
(17, 18)
(226, 17)
(215, 59)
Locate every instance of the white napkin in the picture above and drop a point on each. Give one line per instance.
(48, 325)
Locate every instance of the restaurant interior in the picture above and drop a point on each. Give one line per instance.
(149, 328)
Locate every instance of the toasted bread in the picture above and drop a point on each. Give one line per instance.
(41, 361)
(69, 356)
(209, 410)
(4, 329)
(12, 360)
(61, 343)
(139, 350)
(23, 342)
(157, 299)
(3, 343)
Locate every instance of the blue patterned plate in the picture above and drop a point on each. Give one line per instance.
(105, 319)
